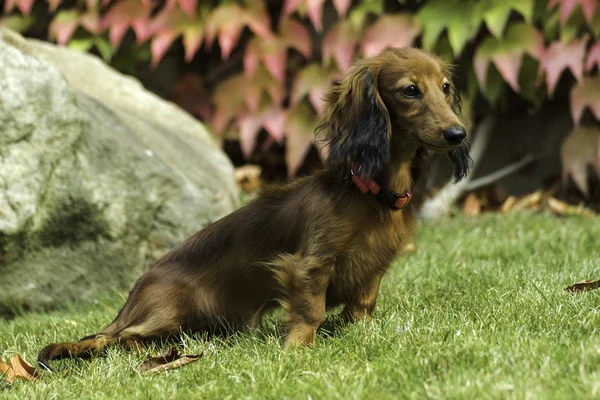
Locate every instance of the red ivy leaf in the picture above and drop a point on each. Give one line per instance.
(192, 39)
(289, 6)
(509, 66)
(342, 6)
(227, 20)
(188, 6)
(273, 50)
(276, 91)
(124, 14)
(507, 53)
(275, 59)
(297, 145)
(274, 123)
(301, 125)
(193, 32)
(295, 35)
(253, 89)
(315, 96)
(586, 94)
(8, 6)
(166, 27)
(190, 94)
(340, 42)
(228, 38)
(53, 5)
(314, 81)
(315, 13)
(396, 30)
(567, 6)
(227, 101)
(593, 57)
(160, 44)
(251, 57)
(117, 31)
(253, 97)
(273, 54)
(25, 6)
(249, 128)
(559, 56)
(171, 23)
(91, 22)
(580, 149)
(142, 30)
(258, 19)
(64, 25)
(252, 93)
(220, 119)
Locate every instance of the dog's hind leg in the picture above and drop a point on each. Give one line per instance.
(155, 309)
(303, 282)
(93, 345)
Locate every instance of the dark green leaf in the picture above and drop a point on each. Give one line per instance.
(105, 48)
(461, 19)
(494, 87)
(17, 22)
(497, 12)
(81, 44)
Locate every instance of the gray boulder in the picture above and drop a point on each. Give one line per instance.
(98, 177)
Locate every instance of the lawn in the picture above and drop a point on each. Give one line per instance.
(475, 312)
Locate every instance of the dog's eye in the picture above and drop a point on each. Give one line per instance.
(446, 88)
(411, 91)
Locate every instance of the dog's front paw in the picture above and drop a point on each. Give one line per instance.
(351, 315)
(300, 335)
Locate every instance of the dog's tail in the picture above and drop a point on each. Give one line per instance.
(85, 348)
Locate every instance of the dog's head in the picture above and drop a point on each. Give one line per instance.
(403, 95)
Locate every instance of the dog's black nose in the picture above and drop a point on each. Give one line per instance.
(454, 135)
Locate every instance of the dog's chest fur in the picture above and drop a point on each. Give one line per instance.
(371, 251)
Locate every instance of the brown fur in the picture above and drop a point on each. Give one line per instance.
(314, 243)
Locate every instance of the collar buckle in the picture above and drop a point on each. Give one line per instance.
(383, 195)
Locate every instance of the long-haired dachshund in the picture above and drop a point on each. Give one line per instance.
(319, 241)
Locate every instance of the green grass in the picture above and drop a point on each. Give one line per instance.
(475, 312)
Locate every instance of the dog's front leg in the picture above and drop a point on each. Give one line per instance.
(306, 306)
(360, 305)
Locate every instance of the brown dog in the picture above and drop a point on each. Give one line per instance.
(317, 242)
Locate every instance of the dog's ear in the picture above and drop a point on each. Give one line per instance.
(357, 125)
(456, 101)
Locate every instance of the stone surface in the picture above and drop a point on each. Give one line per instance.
(98, 177)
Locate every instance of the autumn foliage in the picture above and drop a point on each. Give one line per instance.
(286, 54)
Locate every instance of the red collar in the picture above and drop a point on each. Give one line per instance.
(386, 196)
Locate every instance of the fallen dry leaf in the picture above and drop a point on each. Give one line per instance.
(508, 204)
(17, 367)
(248, 177)
(561, 208)
(529, 201)
(578, 210)
(168, 360)
(472, 205)
(557, 206)
(583, 286)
